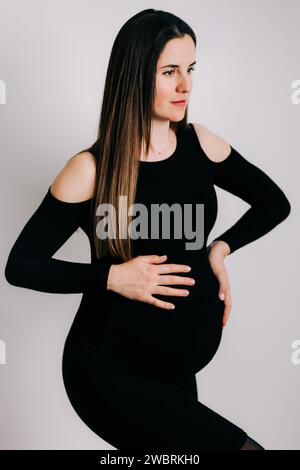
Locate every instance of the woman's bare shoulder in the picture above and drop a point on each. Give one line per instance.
(75, 182)
(215, 147)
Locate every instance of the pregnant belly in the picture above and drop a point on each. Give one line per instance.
(164, 342)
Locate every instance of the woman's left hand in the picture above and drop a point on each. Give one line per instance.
(217, 253)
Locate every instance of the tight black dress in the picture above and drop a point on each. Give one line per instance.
(129, 367)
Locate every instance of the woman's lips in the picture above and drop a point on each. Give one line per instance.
(179, 103)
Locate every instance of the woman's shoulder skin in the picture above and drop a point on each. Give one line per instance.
(215, 147)
(75, 182)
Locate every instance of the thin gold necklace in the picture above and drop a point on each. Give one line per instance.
(161, 151)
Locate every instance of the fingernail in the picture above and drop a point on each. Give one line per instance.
(222, 296)
(188, 268)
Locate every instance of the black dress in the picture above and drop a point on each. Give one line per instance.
(129, 367)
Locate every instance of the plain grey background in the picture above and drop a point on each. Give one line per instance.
(53, 60)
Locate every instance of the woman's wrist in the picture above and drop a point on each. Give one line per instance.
(219, 247)
(110, 277)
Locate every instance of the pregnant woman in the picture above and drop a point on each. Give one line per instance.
(130, 359)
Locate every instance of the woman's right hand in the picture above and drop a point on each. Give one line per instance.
(142, 276)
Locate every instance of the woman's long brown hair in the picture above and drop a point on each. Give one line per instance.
(125, 119)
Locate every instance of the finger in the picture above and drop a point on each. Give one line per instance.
(223, 290)
(158, 303)
(173, 268)
(225, 316)
(164, 279)
(170, 291)
(227, 310)
(153, 258)
(221, 294)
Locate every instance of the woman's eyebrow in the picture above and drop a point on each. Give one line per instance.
(174, 65)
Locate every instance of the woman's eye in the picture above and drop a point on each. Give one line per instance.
(169, 72)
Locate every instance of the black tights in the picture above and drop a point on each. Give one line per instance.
(251, 444)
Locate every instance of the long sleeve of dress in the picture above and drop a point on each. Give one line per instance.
(30, 263)
(269, 205)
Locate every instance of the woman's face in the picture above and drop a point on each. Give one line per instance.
(174, 83)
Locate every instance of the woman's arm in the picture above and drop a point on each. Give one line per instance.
(61, 212)
(235, 174)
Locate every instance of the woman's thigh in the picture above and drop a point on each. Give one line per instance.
(131, 411)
